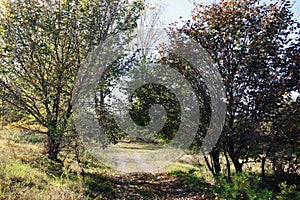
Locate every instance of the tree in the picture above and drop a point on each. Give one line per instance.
(284, 151)
(144, 46)
(149, 31)
(43, 45)
(280, 145)
(248, 40)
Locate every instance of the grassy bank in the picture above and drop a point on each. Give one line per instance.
(26, 173)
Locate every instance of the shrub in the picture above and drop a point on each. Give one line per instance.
(243, 187)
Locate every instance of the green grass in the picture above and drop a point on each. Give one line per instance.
(21, 177)
(22, 181)
(26, 173)
(139, 146)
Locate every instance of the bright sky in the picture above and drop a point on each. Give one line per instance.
(176, 8)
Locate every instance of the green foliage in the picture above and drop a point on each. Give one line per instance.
(244, 186)
(27, 138)
(285, 138)
(191, 177)
(20, 181)
(151, 94)
(250, 43)
(288, 192)
(193, 180)
(44, 44)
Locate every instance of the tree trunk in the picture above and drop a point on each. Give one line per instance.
(216, 161)
(210, 167)
(213, 163)
(228, 167)
(263, 164)
(237, 165)
(263, 173)
(53, 147)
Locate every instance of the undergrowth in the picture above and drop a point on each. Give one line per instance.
(26, 173)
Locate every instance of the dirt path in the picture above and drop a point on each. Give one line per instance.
(152, 186)
(149, 185)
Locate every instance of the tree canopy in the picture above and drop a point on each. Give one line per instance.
(43, 44)
(254, 46)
